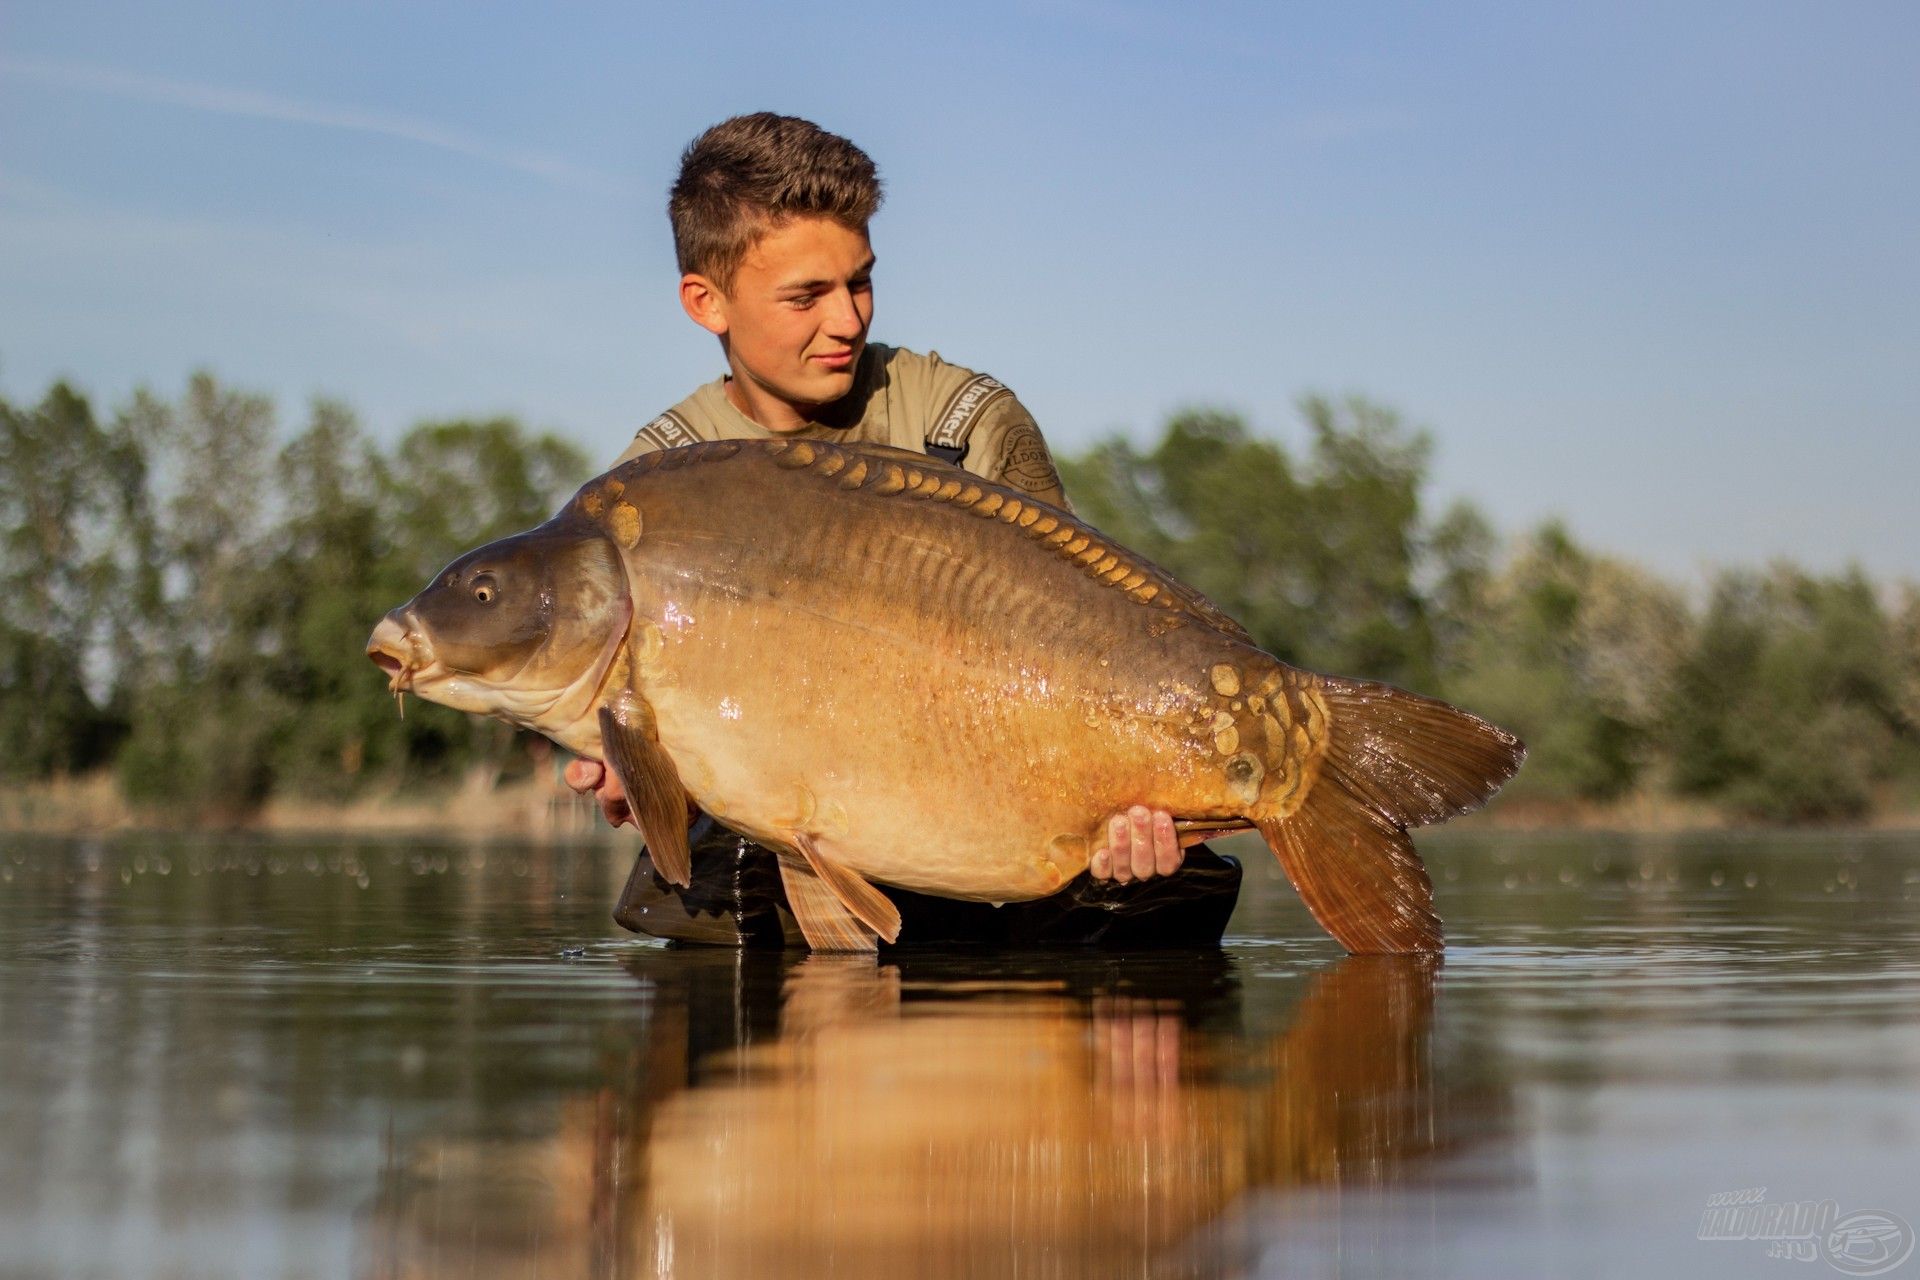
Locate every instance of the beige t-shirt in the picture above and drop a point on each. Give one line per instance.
(901, 398)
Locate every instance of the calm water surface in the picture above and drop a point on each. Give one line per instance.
(328, 1057)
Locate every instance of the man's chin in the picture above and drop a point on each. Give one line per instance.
(823, 387)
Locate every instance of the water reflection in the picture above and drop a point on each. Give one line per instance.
(938, 1116)
(247, 1058)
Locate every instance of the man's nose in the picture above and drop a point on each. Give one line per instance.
(844, 319)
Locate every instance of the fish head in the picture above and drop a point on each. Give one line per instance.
(524, 629)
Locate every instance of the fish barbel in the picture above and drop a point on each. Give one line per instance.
(891, 671)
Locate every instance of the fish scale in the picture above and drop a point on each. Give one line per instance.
(895, 672)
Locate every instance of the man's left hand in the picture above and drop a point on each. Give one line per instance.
(1140, 844)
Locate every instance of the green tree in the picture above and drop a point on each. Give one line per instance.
(330, 571)
(1461, 548)
(69, 517)
(456, 484)
(1788, 705)
(1318, 559)
(204, 712)
(451, 486)
(1576, 653)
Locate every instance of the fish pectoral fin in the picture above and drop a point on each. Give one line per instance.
(825, 921)
(654, 792)
(854, 893)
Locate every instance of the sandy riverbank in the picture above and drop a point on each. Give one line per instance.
(543, 808)
(537, 808)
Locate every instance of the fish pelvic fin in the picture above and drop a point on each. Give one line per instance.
(866, 902)
(1393, 760)
(824, 920)
(654, 790)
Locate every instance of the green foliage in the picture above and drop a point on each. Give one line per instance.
(202, 707)
(1792, 701)
(1316, 556)
(69, 543)
(1575, 652)
(360, 533)
(186, 595)
(453, 485)
(1795, 698)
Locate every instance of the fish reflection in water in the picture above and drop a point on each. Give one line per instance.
(939, 1116)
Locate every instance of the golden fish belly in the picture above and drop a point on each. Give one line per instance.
(981, 769)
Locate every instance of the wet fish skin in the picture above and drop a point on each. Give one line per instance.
(892, 669)
(523, 629)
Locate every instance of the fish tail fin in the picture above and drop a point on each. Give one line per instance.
(1393, 760)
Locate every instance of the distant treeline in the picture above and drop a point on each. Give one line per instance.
(186, 591)
(1780, 696)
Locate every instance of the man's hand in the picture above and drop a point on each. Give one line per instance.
(1140, 844)
(590, 775)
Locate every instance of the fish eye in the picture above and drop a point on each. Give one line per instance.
(485, 588)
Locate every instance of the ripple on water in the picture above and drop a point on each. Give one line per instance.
(469, 1070)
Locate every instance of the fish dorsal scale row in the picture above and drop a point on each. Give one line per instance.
(888, 472)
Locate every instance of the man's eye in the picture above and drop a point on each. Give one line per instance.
(802, 302)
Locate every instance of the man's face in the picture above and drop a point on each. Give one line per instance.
(795, 318)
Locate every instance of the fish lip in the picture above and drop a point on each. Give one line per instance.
(393, 647)
(392, 663)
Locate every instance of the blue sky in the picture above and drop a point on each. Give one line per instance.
(1653, 268)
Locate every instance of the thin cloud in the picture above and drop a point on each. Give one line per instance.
(252, 105)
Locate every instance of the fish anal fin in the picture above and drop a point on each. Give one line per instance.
(859, 897)
(653, 787)
(823, 919)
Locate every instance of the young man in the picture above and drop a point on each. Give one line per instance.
(770, 218)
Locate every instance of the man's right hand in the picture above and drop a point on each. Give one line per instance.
(590, 775)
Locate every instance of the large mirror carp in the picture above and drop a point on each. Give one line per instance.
(890, 670)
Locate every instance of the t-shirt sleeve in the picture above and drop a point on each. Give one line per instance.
(1005, 446)
(668, 431)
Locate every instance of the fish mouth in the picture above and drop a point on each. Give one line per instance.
(394, 648)
(399, 674)
(391, 648)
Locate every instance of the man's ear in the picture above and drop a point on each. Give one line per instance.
(704, 304)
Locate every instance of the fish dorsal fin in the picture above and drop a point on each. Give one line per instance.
(654, 791)
(855, 894)
(824, 920)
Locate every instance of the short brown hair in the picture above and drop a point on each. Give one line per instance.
(748, 175)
